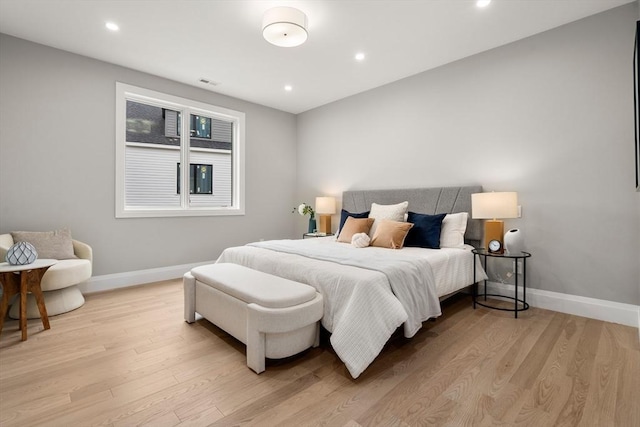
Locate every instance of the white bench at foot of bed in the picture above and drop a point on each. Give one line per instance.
(272, 316)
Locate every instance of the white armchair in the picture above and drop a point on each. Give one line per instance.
(59, 283)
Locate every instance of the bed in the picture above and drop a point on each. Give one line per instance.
(370, 292)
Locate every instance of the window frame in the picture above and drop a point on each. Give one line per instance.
(125, 92)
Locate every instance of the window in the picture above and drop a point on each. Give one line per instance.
(152, 138)
(200, 127)
(200, 179)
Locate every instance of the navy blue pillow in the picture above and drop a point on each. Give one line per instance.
(345, 214)
(425, 232)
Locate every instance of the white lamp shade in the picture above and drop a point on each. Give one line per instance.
(325, 205)
(494, 205)
(284, 26)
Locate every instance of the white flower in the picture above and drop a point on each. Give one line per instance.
(304, 209)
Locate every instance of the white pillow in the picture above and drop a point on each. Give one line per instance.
(390, 212)
(453, 228)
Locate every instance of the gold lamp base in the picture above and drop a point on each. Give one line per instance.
(494, 230)
(325, 224)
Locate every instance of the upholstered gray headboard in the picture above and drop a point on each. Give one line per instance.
(421, 200)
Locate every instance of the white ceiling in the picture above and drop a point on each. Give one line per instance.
(221, 40)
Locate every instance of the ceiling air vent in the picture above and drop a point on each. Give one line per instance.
(208, 82)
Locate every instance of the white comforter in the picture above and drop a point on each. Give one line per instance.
(368, 292)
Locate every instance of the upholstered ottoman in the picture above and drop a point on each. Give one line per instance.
(274, 317)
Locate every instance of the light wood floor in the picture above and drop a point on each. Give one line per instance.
(127, 358)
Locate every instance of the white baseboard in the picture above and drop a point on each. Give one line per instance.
(609, 311)
(109, 282)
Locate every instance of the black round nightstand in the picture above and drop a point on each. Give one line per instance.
(520, 304)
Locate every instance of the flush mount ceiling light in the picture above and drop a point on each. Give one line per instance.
(284, 26)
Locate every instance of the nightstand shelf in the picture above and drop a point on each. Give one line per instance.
(520, 304)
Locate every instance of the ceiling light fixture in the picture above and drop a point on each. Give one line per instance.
(483, 3)
(359, 56)
(112, 26)
(288, 88)
(284, 26)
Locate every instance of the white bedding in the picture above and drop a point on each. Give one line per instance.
(368, 292)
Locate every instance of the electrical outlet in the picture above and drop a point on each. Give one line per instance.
(519, 267)
(513, 267)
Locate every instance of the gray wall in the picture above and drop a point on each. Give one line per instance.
(638, 198)
(57, 163)
(550, 117)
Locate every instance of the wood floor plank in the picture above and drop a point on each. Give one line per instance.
(601, 403)
(468, 391)
(502, 395)
(530, 368)
(436, 354)
(550, 388)
(580, 372)
(128, 358)
(490, 346)
(627, 407)
(600, 406)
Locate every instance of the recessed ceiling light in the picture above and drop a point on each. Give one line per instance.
(359, 56)
(288, 88)
(483, 3)
(112, 26)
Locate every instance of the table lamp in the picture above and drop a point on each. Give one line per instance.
(325, 207)
(491, 206)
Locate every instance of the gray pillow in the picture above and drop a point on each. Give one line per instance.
(49, 244)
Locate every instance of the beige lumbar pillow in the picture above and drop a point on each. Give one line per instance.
(391, 234)
(49, 244)
(353, 226)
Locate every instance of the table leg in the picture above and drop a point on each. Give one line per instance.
(474, 291)
(23, 304)
(485, 281)
(9, 289)
(3, 306)
(524, 280)
(37, 293)
(22, 282)
(516, 288)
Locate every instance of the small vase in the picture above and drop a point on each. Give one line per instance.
(22, 253)
(312, 225)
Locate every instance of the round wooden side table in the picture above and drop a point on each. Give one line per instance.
(21, 279)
